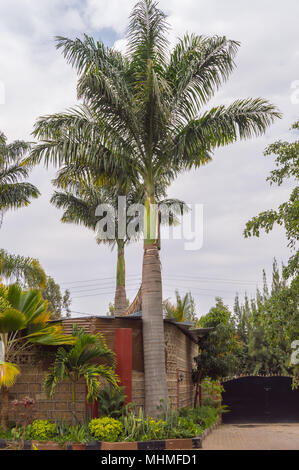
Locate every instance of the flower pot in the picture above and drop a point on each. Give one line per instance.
(78, 446)
(47, 445)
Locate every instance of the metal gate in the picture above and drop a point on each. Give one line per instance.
(260, 399)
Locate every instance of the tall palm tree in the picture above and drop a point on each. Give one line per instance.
(80, 206)
(145, 120)
(23, 322)
(14, 192)
(80, 203)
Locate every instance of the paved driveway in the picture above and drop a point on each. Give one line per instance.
(253, 437)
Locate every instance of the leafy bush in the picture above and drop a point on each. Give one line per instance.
(111, 401)
(211, 392)
(170, 425)
(41, 430)
(78, 434)
(204, 416)
(105, 429)
(137, 427)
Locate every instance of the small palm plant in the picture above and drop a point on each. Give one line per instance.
(24, 321)
(82, 362)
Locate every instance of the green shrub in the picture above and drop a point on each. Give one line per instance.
(41, 430)
(111, 401)
(204, 416)
(77, 434)
(105, 429)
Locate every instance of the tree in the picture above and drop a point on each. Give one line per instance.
(25, 271)
(287, 214)
(23, 323)
(80, 205)
(219, 314)
(267, 326)
(14, 193)
(58, 303)
(219, 350)
(82, 361)
(145, 120)
(183, 311)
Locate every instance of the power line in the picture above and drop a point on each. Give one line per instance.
(101, 293)
(100, 287)
(208, 279)
(96, 279)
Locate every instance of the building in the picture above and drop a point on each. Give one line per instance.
(124, 336)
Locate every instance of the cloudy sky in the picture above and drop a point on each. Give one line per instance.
(232, 188)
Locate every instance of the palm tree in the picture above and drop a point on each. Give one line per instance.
(14, 193)
(24, 270)
(80, 203)
(82, 361)
(142, 117)
(23, 322)
(183, 311)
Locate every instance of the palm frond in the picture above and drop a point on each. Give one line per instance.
(8, 374)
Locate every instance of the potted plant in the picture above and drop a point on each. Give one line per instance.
(43, 434)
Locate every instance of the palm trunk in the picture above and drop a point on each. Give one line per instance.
(120, 300)
(156, 392)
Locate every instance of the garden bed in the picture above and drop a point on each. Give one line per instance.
(166, 444)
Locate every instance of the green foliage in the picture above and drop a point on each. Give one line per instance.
(169, 425)
(211, 393)
(204, 416)
(267, 325)
(111, 401)
(105, 429)
(78, 434)
(287, 214)
(217, 315)
(58, 304)
(23, 323)
(82, 361)
(25, 271)
(41, 430)
(218, 351)
(14, 191)
(183, 311)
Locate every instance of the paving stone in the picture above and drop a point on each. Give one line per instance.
(282, 436)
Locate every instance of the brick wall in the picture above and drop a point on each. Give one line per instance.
(179, 353)
(30, 383)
